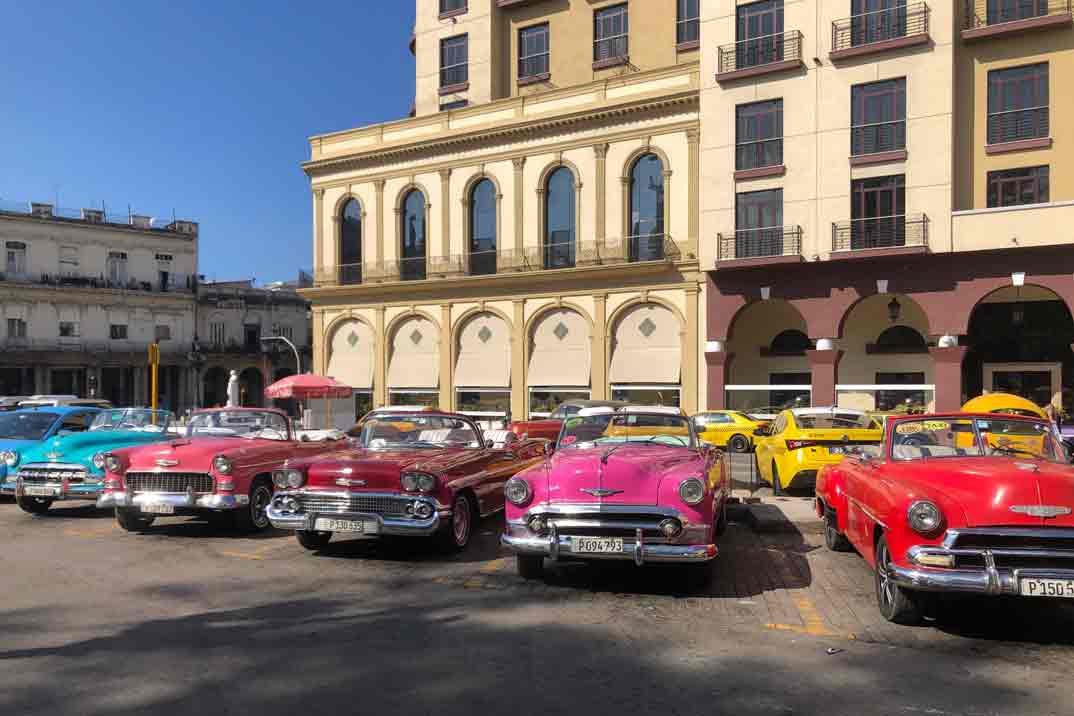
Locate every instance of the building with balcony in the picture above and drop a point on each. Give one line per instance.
(531, 233)
(883, 201)
(82, 295)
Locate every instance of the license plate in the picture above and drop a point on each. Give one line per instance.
(1037, 587)
(326, 524)
(597, 545)
(40, 491)
(159, 509)
(837, 450)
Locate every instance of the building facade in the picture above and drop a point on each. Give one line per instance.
(883, 202)
(82, 295)
(531, 234)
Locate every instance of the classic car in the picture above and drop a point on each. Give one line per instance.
(548, 428)
(23, 429)
(71, 467)
(222, 466)
(416, 473)
(964, 503)
(731, 429)
(800, 441)
(633, 484)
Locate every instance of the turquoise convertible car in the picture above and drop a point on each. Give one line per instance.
(71, 466)
(21, 430)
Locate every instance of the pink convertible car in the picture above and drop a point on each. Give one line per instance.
(633, 484)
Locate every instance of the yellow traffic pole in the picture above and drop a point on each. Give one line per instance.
(154, 362)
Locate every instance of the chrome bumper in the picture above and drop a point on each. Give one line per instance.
(556, 546)
(63, 491)
(181, 500)
(990, 579)
(386, 525)
(7, 488)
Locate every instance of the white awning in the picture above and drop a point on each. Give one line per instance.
(350, 357)
(560, 351)
(484, 353)
(415, 357)
(647, 347)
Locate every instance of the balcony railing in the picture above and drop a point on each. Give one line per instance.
(104, 216)
(635, 249)
(878, 137)
(1018, 124)
(880, 26)
(986, 13)
(758, 153)
(177, 283)
(882, 232)
(759, 243)
(757, 52)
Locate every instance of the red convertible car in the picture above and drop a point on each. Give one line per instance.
(548, 428)
(409, 473)
(963, 503)
(222, 467)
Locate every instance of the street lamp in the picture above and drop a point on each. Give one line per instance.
(298, 361)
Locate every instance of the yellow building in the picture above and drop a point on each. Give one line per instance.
(531, 232)
(884, 202)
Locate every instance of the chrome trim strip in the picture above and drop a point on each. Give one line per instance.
(182, 500)
(599, 509)
(560, 548)
(304, 521)
(1028, 532)
(348, 494)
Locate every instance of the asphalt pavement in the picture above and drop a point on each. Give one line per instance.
(189, 619)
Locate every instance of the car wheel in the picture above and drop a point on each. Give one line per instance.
(777, 489)
(738, 443)
(33, 505)
(834, 540)
(897, 605)
(721, 518)
(252, 517)
(530, 567)
(456, 535)
(313, 541)
(133, 520)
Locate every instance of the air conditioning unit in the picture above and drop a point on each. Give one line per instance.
(43, 211)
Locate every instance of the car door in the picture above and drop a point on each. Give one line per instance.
(763, 450)
(777, 443)
(76, 422)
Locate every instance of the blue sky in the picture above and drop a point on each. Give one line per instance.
(201, 107)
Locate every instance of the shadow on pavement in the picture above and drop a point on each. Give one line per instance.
(484, 546)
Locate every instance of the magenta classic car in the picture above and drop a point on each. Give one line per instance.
(408, 473)
(633, 484)
(222, 467)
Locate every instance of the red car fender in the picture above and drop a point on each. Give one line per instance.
(831, 494)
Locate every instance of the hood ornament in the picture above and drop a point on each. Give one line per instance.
(1045, 511)
(167, 463)
(600, 491)
(54, 455)
(344, 482)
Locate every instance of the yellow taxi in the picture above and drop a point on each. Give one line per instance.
(801, 441)
(1006, 403)
(731, 429)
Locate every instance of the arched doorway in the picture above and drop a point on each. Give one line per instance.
(560, 227)
(646, 356)
(483, 228)
(414, 363)
(350, 361)
(559, 360)
(1019, 342)
(647, 209)
(886, 364)
(769, 370)
(251, 388)
(350, 243)
(483, 369)
(214, 387)
(412, 236)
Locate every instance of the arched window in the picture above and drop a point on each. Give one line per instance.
(412, 266)
(350, 243)
(901, 339)
(647, 209)
(483, 228)
(559, 238)
(790, 343)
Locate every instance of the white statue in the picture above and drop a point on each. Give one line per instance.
(233, 390)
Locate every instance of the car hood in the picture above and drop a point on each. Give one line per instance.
(378, 470)
(197, 454)
(18, 446)
(633, 473)
(81, 447)
(986, 488)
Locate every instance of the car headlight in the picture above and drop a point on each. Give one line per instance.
(222, 465)
(692, 491)
(418, 482)
(288, 479)
(98, 461)
(10, 458)
(113, 463)
(924, 517)
(517, 491)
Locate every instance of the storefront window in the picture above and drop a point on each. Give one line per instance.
(363, 402)
(489, 408)
(911, 399)
(423, 398)
(668, 395)
(544, 400)
(783, 391)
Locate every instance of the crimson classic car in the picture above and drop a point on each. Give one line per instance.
(633, 484)
(418, 473)
(221, 467)
(548, 428)
(964, 503)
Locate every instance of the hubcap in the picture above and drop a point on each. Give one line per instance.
(887, 587)
(258, 505)
(460, 520)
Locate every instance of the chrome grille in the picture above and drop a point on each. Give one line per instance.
(72, 473)
(609, 523)
(1014, 548)
(371, 504)
(179, 482)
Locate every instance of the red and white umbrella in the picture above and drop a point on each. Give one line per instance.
(308, 386)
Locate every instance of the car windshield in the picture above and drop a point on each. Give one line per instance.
(139, 419)
(417, 431)
(251, 424)
(26, 426)
(835, 421)
(974, 437)
(589, 431)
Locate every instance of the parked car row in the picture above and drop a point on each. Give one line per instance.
(969, 502)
